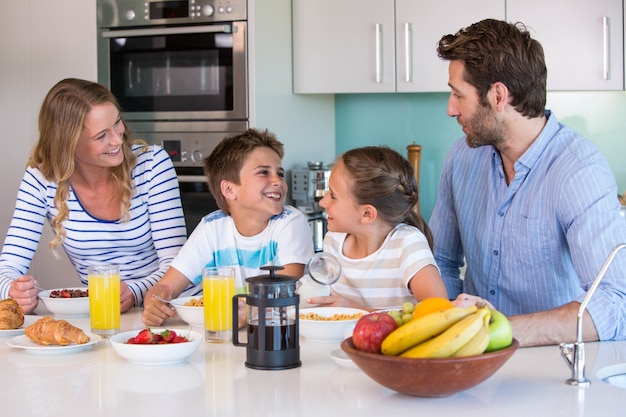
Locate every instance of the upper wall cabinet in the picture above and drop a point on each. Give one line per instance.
(343, 46)
(582, 40)
(420, 24)
(376, 46)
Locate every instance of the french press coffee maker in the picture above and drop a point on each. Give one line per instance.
(272, 317)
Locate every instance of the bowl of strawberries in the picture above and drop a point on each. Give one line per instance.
(156, 346)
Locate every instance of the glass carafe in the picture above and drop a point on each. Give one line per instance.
(322, 270)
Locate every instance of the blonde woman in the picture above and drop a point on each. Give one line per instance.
(108, 200)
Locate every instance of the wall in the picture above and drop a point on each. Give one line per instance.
(399, 119)
(41, 42)
(304, 123)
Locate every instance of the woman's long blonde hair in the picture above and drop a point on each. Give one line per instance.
(61, 122)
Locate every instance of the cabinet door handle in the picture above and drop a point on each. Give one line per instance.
(379, 51)
(606, 55)
(408, 51)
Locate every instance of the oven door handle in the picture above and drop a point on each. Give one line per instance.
(191, 178)
(166, 31)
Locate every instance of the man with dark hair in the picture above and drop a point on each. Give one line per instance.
(530, 205)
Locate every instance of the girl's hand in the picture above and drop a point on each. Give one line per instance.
(335, 300)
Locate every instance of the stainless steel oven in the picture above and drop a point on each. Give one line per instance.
(175, 59)
(179, 71)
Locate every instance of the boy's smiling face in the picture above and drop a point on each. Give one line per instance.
(261, 191)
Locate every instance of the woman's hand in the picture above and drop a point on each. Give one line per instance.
(127, 300)
(154, 311)
(24, 292)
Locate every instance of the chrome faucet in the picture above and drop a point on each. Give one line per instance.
(574, 353)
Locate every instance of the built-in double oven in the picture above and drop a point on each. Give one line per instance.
(179, 71)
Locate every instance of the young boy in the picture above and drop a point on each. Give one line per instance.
(252, 228)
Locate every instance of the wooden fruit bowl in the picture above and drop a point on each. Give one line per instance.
(431, 377)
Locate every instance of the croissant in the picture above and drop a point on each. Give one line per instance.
(47, 331)
(11, 314)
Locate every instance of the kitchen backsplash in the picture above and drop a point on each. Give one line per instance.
(397, 120)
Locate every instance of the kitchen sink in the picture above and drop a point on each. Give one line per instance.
(614, 375)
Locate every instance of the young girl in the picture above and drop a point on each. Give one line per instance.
(384, 246)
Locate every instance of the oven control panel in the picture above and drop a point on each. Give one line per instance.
(187, 143)
(187, 153)
(125, 13)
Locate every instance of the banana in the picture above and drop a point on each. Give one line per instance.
(452, 339)
(423, 328)
(478, 343)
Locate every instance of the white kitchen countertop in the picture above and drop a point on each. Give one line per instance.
(214, 381)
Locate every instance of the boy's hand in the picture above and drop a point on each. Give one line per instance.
(154, 311)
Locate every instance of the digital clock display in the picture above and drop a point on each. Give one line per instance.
(169, 9)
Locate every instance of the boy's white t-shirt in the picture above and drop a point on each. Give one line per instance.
(216, 242)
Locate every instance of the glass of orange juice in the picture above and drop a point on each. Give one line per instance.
(218, 287)
(103, 282)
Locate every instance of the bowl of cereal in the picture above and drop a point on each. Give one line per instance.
(328, 324)
(190, 309)
(66, 302)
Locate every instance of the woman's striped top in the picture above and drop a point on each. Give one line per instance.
(143, 247)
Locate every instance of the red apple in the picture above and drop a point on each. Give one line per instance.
(370, 331)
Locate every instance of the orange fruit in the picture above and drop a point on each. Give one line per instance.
(431, 305)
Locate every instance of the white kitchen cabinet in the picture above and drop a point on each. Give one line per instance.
(582, 40)
(343, 46)
(420, 24)
(374, 46)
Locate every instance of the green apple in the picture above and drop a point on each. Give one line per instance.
(500, 332)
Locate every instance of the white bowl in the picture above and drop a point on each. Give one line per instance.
(66, 307)
(192, 315)
(165, 354)
(328, 330)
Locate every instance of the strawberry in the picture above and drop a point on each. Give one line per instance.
(168, 335)
(179, 339)
(145, 337)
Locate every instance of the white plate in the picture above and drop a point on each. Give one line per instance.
(23, 342)
(28, 320)
(341, 359)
